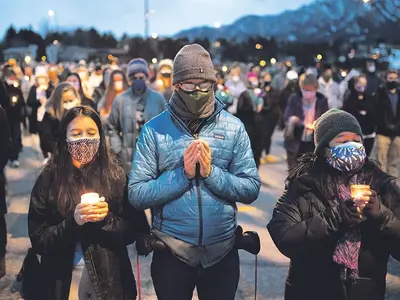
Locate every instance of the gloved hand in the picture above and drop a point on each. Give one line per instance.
(373, 207)
(348, 212)
(248, 241)
(145, 244)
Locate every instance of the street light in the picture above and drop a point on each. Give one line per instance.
(366, 1)
(217, 24)
(263, 63)
(259, 46)
(154, 60)
(154, 35)
(51, 13)
(319, 56)
(273, 61)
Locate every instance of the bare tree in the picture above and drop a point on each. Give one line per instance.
(389, 9)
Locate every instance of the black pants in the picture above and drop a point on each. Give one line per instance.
(270, 122)
(15, 131)
(369, 144)
(175, 280)
(292, 157)
(3, 235)
(256, 139)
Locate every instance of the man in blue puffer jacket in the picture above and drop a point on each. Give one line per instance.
(192, 163)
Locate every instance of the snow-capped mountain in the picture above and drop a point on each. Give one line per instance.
(322, 20)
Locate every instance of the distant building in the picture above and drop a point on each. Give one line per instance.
(74, 53)
(20, 53)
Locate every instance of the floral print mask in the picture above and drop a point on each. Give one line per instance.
(347, 157)
(83, 150)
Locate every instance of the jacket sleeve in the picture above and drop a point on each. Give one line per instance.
(32, 101)
(289, 110)
(294, 236)
(388, 220)
(47, 134)
(148, 188)
(5, 139)
(240, 183)
(45, 236)
(123, 218)
(115, 126)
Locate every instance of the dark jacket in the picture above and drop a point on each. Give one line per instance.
(5, 146)
(16, 104)
(271, 103)
(34, 104)
(388, 124)
(306, 231)
(55, 237)
(48, 129)
(364, 110)
(295, 108)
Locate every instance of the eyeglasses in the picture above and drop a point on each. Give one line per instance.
(191, 87)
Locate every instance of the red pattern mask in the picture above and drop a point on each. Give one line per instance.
(83, 150)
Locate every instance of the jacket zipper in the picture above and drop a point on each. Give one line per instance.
(199, 202)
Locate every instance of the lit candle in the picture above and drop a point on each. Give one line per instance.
(90, 198)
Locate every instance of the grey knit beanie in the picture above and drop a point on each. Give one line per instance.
(193, 62)
(138, 65)
(330, 124)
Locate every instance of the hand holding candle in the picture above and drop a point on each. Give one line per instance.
(357, 193)
(96, 208)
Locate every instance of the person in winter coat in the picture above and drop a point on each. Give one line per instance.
(38, 96)
(338, 243)
(63, 98)
(291, 87)
(163, 83)
(303, 109)
(270, 115)
(236, 86)
(388, 126)
(83, 243)
(330, 88)
(14, 108)
(249, 107)
(364, 107)
(193, 162)
(101, 89)
(131, 110)
(75, 80)
(117, 85)
(5, 149)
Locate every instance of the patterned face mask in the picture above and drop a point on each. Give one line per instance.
(83, 149)
(346, 157)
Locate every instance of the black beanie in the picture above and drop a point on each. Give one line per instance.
(330, 124)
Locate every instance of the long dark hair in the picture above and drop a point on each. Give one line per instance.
(324, 177)
(102, 175)
(110, 92)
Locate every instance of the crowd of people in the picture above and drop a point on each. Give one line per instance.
(185, 142)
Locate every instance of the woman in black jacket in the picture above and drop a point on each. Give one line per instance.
(5, 147)
(38, 95)
(338, 243)
(63, 98)
(66, 232)
(364, 107)
(75, 80)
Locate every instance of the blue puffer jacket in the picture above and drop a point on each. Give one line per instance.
(199, 211)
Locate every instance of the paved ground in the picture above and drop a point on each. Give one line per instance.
(272, 265)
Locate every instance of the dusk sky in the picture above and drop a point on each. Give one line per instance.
(118, 16)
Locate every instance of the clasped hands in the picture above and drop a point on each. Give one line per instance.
(352, 210)
(198, 152)
(96, 212)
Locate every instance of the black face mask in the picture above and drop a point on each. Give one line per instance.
(391, 85)
(266, 84)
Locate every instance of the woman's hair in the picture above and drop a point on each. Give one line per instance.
(111, 92)
(310, 79)
(101, 175)
(357, 78)
(54, 106)
(81, 94)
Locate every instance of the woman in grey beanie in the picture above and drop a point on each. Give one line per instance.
(338, 219)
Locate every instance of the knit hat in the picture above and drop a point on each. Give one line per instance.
(41, 71)
(330, 124)
(138, 65)
(193, 62)
(165, 63)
